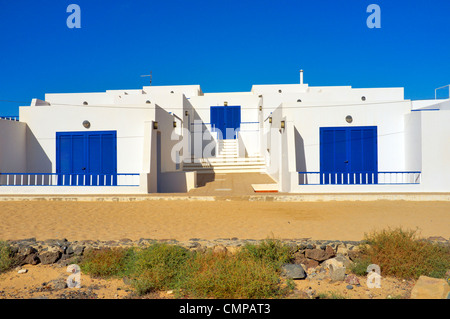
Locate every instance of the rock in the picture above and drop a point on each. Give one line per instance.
(350, 287)
(300, 259)
(337, 273)
(319, 254)
(27, 255)
(49, 257)
(58, 284)
(78, 250)
(430, 288)
(338, 261)
(293, 271)
(22, 271)
(352, 280)
(329, 252)
(316, 254)
(342, 250)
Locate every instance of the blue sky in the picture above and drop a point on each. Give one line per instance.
(223, 45)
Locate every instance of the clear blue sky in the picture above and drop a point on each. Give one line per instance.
(223, 45)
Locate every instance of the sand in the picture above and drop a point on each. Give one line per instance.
(182, 220)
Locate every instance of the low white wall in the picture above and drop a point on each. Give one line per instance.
(71, 190)
(436, 150)
(177, 182)
(13, 147)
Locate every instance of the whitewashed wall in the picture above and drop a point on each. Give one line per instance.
(12, 146)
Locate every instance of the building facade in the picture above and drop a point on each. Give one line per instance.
(158, 139)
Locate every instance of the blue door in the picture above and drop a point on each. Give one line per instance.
(86, 158)
(348, 155)
(226, 120)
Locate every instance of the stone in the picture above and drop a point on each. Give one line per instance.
(293, 271)
(58, 284)
(22, 271)
(430, 288)
(342, 250)
(337, 273)
(338, 261)
(49, 257)
(320, 254)
(352, 280)
(350, 287)
(27, 255)
(315, 254)
(300, 259)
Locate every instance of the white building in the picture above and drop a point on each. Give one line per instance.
(158, 138)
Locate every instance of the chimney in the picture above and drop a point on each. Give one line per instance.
(301, 76)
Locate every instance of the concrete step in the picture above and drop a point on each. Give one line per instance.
(227, 169)
(222, 160)
(227, 165)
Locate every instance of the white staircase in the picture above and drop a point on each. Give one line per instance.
(226, 161)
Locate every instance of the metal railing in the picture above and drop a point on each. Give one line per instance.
(359, 178)
(442, 87)
(64, 179)
(10, 117)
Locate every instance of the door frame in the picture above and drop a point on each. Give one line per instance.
(225, 111)
(351, 176)
(85, 159)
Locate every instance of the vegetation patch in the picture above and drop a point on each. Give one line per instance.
(7, 259)
(400, 253)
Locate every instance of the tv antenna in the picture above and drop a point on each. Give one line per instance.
(149, 75)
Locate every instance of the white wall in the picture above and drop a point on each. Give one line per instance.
(12, 147)
(436, 150)
(45, 121)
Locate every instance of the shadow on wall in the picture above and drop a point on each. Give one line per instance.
(300, 157)
(37, 159)
(203, 179)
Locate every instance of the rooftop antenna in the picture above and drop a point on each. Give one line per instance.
(149, 75)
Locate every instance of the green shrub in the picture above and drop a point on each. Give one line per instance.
(401, 254)
(231, 277)
(108, 262)
(271, 251)
(160, 266)
(6, 257)
(254, 272)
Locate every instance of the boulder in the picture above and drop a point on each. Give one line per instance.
(27, 255)
(293, 271)
(337, 273)
(338, 261)
(319, 254)
(430, 288)
(49, 257)
(300, 259)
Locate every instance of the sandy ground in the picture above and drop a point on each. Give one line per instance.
(182, 220)
(35, 284)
